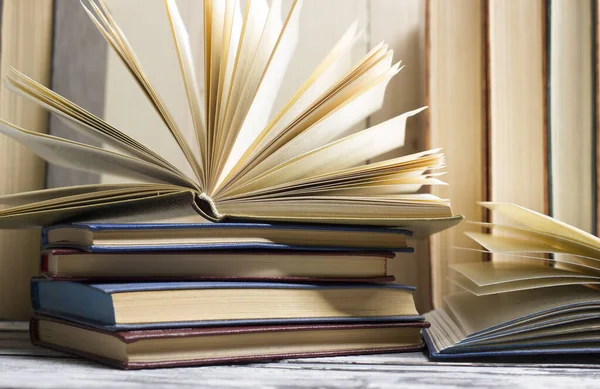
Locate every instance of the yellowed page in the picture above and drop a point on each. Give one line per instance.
(253, 25)
(361, 101)
(190, 81)
(259, 112)
(105, 23)
(88, 158)
(520, 285)
(350, 151)
(81, 120)
(543, 223)
(475, 313)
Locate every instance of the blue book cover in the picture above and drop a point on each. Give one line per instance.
(92, 304)
(242, 245)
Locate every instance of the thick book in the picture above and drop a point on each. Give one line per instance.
(241, 161)
(241, 265)
(142, 305)
(517, 103)
(27, 46)
(456, 94)
(525, 302)
(129, 237)
(220, 345)
(572, 150)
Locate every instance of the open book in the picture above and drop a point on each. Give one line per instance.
(299, 163)
(537, 296)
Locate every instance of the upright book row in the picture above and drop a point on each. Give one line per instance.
(512, 90)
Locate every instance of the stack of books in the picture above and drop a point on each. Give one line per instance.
(138, 295)
(152, 295)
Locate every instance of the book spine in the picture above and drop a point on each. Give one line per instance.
(570, 113)
(457, 122)
(26, 43)
(44, 262)
(35, 296)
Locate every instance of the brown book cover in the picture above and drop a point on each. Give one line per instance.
(245, 355)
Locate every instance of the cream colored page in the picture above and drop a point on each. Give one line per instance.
(476, 313)
(260, 110)
(81, 120)
(88, 158)
(489, 273)
(334, 66)
(183, 48)
(347, 152)
(126, 106)
(329, 128)
(255, 17)
(216, 53)
(543, 237)
(504, 244)
(17, 199)
(543, 223)
(565, 331)
(228, 69)
(520, 285)
(272, 139)
(243, 129)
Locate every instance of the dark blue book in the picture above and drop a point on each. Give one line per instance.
(126, 306)
(105, 238)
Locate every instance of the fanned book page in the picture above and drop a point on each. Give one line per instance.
(246, 161)
(531, 301)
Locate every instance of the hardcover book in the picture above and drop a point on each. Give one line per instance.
(525, 302)
(206, 346)
(243, 160)
(143, 305)
(240, 265)
(131, 237)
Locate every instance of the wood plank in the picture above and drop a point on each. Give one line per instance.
(24, 365)
(64, 373)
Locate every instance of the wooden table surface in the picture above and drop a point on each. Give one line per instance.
(25, 366)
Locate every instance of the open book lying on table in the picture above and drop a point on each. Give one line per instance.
(540, 296)
(244, 162)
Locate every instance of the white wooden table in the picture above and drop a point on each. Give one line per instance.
(25, 366)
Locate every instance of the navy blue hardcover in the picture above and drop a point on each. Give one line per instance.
(91, 304)
(219, 246)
